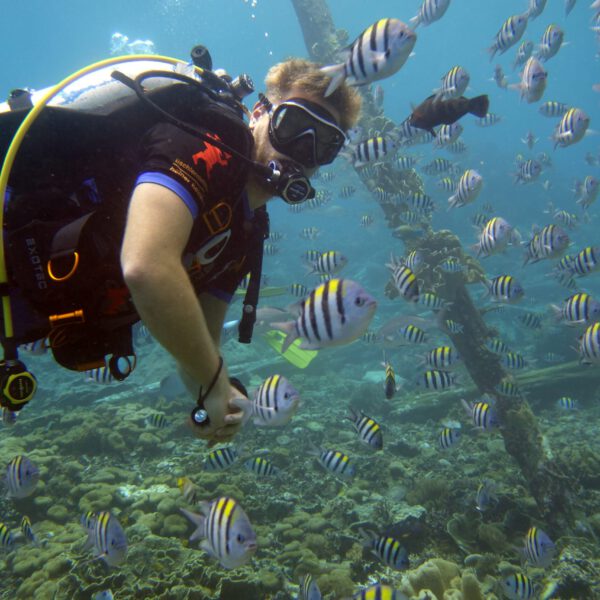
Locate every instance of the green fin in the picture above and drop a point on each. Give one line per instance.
(297, 356)
(266, 292)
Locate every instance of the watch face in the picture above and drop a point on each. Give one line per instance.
(199, 416)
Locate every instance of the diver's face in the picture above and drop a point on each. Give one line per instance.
(259, 125)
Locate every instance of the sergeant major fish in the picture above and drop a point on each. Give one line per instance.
(309, 590)
(337, 312)
(467, 190)
(454, 83)
(509, 34)
(429, 12)
(108, 539)
(378, 52)
(533, 81)
(22, 477)
(369, 431)
(388, 549)
(274, 404)
(336, 462)
(539, 548)
(225, 530)
(572, 128)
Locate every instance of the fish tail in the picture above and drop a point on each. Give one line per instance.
(415, 22)
(288, 328)
(337, 74)
(492, 51)
(479, 105)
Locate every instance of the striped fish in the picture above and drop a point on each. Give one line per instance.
(158, 420)
(27, 530)
(225, 530)
(448, 437)
(528, 171)
(413, 334)
(467, 190)
(433, 301)
(552, 40)
(442, 358)
(589, 345)
(549, 242)
(414, 260)
(404, 279)
(404, 163)
(99, 375)
(509, 34)
(458, 147)
(108, 539)
(421, 202)
(437, 165)
(373, 149)
(494, 237)
(274, 236)
(489, 120)
(535, 8)
(505, 288)
(388, 549)
(262, 467)
(273, 249)
(299, 290)
(336, 462)
(366, 221)
(369, 431)
(518, 587)
(310, 256)
(22, 477)
(389, 385)
(572, 128)
(484, 415)
(497, 346)
(274, 404)
(6, 539)
(508, 388)
(524, 51)
(307, 233)
(329, 262)
(567, 403)
(453, 327)
(586, 261)
(436, 379)
(539, 548)
(553, 109)
(447, 134)
(309, 590)
(533, 81)
(588, 192)
(447, 184)
(451, 265)
(411, 217)
(454, 83)
(336, 312)
(379, 591)
(514, 361)
(378, 52)
(577, 309)
(531, 320)
(566, 218)
(429, 12)
(220, 459)
(347, 191)
(569, 6)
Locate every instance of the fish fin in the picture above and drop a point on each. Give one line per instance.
(337, 74)
(196, 519)
(289, 328)
(479, 105)
(415, 22)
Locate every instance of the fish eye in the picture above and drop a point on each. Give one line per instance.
(360, 301)
(240, 538)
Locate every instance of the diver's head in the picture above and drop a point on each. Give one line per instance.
(294, 124)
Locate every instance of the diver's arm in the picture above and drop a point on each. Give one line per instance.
(158, 228)
(214, 311)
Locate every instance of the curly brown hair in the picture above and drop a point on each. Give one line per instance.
(304, 74)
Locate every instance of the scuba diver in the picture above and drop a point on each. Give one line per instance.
(135, 190)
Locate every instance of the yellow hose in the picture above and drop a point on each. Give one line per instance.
(16, 144)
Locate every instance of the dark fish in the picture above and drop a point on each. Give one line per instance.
(432, 111)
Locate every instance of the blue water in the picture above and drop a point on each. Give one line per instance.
(43, 42)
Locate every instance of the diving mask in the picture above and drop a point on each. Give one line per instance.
(305, 132)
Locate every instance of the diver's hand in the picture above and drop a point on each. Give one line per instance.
(225, 417)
